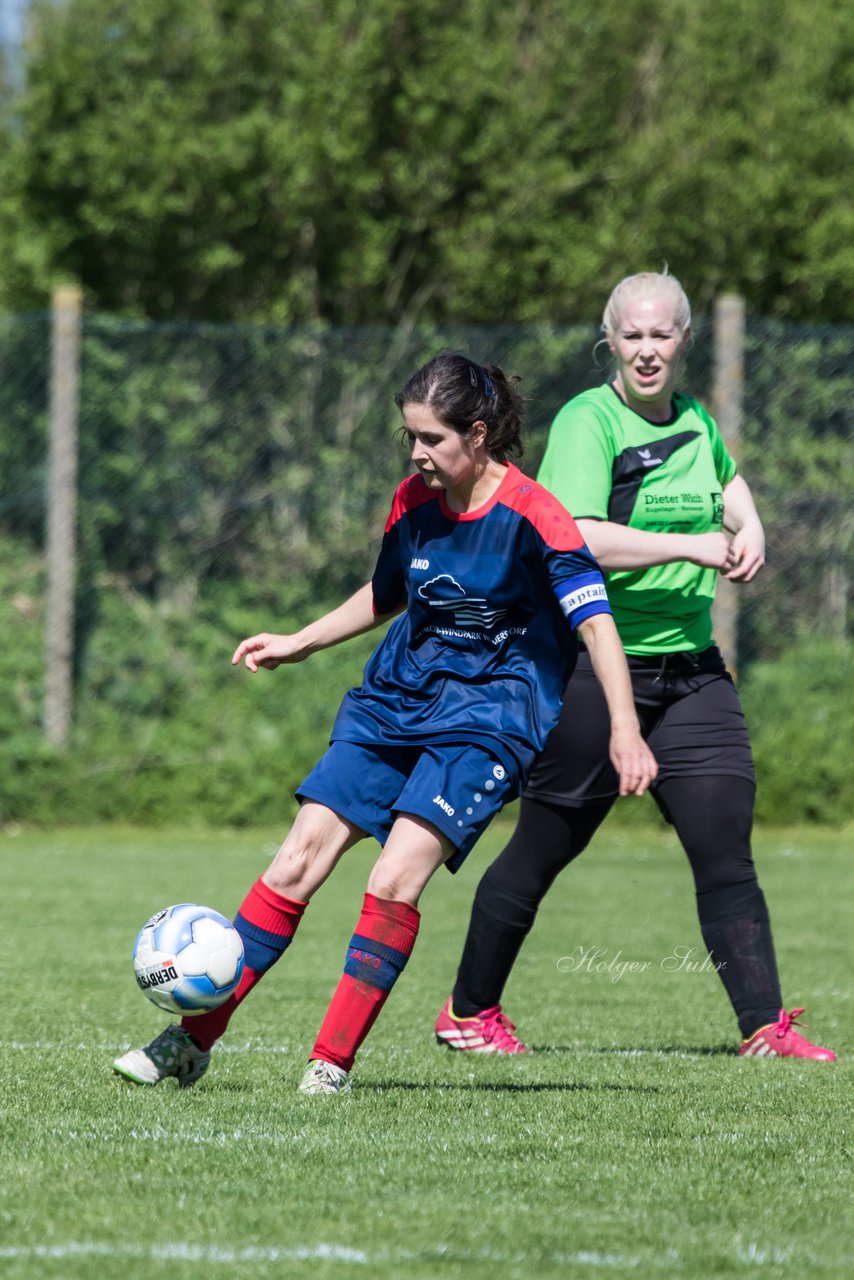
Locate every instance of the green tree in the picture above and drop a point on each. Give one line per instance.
(743, 127)
(284, 161)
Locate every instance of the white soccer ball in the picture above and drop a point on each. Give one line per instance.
(188, 959)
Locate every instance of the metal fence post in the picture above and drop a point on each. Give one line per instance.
(66, 310)
(728, 402)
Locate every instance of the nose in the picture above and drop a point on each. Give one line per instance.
(646, 351)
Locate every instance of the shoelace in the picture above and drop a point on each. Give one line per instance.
(164, 1050)
(498, 1026)
(789, 1020)
(327, 1073)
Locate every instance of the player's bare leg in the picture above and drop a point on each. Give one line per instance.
(379, 949)
(266, 921)
(310, 852)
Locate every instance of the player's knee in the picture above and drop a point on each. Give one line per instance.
(293, 867)
(390, 887)
(505, 902)
(397, 881)
(727, 884)
(721, 866)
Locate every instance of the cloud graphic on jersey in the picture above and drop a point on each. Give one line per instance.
(444, 592)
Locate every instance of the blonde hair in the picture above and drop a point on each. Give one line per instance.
(647, 284)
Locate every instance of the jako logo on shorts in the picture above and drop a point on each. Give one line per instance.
(443, 804)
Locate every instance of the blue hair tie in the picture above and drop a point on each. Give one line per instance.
(488, 387)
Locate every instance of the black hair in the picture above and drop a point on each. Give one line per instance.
(459, 392)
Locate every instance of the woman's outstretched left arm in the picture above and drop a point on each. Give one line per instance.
(352, 618)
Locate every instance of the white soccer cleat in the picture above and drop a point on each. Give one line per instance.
(325, 1077)
(172, 1053)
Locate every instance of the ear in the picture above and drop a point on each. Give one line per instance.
(478, 432)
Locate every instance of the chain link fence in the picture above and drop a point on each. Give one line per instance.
(233, 477)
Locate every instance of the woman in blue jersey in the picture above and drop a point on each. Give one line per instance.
(491, 580)
(658, 499)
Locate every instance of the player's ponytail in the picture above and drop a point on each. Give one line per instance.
(459, 391)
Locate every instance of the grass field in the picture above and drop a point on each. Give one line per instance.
(634, 1143)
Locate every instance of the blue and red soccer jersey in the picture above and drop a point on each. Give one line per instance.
(487, 643)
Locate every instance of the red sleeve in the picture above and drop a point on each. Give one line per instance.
(549, 517)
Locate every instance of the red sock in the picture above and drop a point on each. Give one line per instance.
(266, 922)
(378, 951)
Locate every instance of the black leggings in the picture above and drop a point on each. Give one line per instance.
(713, 817)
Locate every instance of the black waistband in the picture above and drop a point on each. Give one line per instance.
(683, 660)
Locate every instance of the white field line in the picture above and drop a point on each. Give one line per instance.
(39, 1046)
(750, 1255)
(212, 1254)
(188, 1137)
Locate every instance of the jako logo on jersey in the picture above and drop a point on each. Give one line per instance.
(583, 595)
(443, 804)
(420, 564)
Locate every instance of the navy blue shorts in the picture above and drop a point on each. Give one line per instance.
(455, 787)
(689, 713)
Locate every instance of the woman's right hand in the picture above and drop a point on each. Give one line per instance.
(270, 651)
(711, 551)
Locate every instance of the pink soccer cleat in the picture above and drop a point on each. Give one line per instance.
(489, 1031)
(780, 1040)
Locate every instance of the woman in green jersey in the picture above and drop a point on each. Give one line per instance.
(658, 499)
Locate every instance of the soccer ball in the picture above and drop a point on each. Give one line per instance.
(188, 959)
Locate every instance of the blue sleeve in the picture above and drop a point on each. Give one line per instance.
(578, 584)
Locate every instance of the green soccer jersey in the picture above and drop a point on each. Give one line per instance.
(606, 462)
